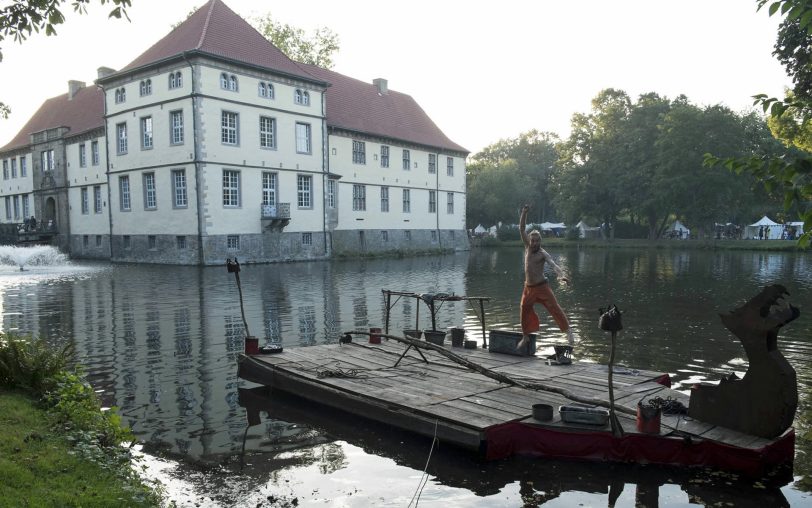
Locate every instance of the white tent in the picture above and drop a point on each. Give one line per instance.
(550, 226)
(585, 231)
(479, 230)
(770, 229)
(679, 230)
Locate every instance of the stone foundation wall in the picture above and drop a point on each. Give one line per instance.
(370, 242)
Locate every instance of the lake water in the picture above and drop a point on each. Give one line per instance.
(161, 342)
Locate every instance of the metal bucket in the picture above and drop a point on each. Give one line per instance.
(543, 412)
(648, 419)
(251, 345)
(457, 336)
(374, 335)
(434, 337)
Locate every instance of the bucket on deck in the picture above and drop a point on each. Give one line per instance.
(412, 333)
(374, 335)
(434, 336)
(251, 345)
(457, 336)
(648, 418)
(543, 412)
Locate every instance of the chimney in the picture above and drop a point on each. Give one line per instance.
(381, 85)
(73, 87)
(103, 72)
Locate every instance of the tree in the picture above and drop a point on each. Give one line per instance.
(24, 17)
(791, 175)
(316, 49)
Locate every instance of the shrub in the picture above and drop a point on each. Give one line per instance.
(32, 364)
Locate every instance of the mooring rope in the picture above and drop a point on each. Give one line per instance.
(668, 405)
(425, 477)
(339, 372)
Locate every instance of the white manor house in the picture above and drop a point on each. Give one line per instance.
(213, 143)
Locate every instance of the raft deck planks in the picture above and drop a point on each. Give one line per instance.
(455, 403)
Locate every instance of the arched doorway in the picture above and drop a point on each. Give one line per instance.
(50, 210)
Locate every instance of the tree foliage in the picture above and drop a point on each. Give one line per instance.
(315, 49)
(23, 17)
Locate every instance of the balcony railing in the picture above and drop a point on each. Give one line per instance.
(275, 216)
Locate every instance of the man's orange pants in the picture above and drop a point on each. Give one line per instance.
(544, 295)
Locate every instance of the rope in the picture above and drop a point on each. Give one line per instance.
(339, 372)
(425, 477)
(668, 405)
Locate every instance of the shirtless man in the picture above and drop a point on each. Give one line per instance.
(536, 288)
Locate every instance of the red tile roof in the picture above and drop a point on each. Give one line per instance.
(83, 113)
(217, 30)
(357, 106)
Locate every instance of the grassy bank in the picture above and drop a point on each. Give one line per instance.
(618, 243)
(57, 446)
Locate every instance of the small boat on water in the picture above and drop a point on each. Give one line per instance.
(500, 402)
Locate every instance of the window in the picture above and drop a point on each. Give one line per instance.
(150, 199)
(180, 197)
(26, 209)
(16, 207)
(408, 235)
(23, 166)
(233, 242)
(176, 126)
(384, 235)
(97, 199)
(228, 82)
(180, 241)
(407, 164)
(359, 197)
(146, 87)
(384, 156)
(263, 92)
(121, 138)
(13, 168)
(98, 241)
(94, 153)
(124, 193)
(231, 188)
(359, 152)
(228, 128)
(449, 168)
(331, 193)
(146, 132)
(175, 80)
(127, 241)
(267, 132)
(302, 138)
(407, 201)
(268, 188)
(8, 207)
(384, 199)
(433, 236)
(450, 203)
(307, 239)
(48, 163)
(85, 240)
(270, 91)
(432, 163)
(304, 189)
(152, 242)
(85, 202)
(301, 97)
(5, 169)
(121, 95)
(432, 201)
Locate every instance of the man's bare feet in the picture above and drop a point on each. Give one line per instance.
(523, 343)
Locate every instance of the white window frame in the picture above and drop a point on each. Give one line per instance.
(8, 207)
(121, 138)
(384, 156)
(82, 157)
(432, 163)
(267, 132)
(269, 188)
(146, 133)
(176, 127)
(385, 198)
(125, 203)
(449, 166)
(145, 87)
(180, 196)
(94, 152)
(407, 160)
(450, 204)
(307, 239)
(231, 188)
(432, 201)
(359, 152)
(230, 128)
(26, 206)
(331, 193)
(23, 166)
(16, 201)
(303, 139)
(97, 199)
(304, 191)
(407, 201)
(359, 197)
(150, 191)
(85, 201)
(233, 242)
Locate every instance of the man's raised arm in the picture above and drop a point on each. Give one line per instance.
(522, 222)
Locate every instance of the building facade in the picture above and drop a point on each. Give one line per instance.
(214, 144)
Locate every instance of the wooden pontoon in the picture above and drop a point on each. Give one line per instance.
(427, 393)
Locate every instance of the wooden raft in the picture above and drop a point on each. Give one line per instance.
(457, 405)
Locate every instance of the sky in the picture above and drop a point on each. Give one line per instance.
(483, 71)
